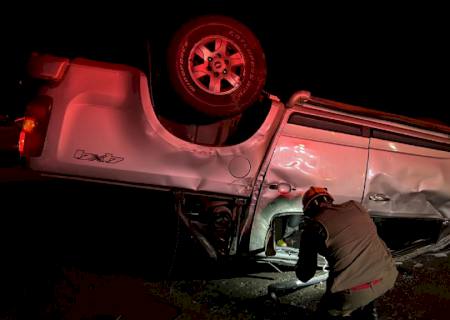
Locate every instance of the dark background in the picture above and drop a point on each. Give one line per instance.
(382, 56)
(392, 58)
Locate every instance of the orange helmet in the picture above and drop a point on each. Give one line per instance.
(313, 193)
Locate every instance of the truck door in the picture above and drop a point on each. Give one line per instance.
(408, 185)
(313, 148)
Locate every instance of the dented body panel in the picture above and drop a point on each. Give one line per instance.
(344, 152)
(105, 111)
(306, 156)
(414, 181)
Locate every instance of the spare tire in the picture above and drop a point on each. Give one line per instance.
(217, 66)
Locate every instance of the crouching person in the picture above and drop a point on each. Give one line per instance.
(361, 266)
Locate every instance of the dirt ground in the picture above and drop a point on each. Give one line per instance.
(422, 291)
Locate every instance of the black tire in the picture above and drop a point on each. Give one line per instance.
(217, 66)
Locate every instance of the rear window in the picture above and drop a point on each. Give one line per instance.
(385, 135)
(325, 124)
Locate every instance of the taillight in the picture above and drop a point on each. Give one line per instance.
(47, 67)
(34, 127)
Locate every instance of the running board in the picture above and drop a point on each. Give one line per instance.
(441, 244)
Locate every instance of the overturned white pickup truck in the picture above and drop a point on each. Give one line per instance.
(96, 121)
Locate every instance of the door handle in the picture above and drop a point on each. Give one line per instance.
(282, 188)
(379, 197)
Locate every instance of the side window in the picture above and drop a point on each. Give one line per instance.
(325, 124)
(385, 135)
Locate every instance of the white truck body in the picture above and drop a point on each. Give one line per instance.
(103, 127)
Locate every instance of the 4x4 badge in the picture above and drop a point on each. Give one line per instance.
(106, 157)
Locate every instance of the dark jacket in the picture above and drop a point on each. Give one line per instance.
(347, 237)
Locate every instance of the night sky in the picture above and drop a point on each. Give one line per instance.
(391, 58)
